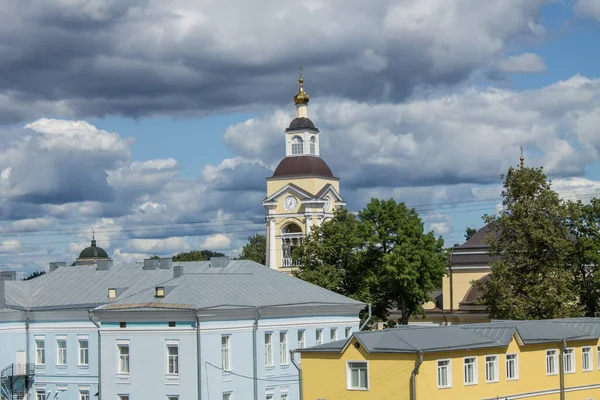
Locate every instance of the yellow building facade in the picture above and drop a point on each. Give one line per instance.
(302, 193)
(504, 360)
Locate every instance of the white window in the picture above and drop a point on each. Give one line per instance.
(123, 358)
(491, 368)
(123, 397)
(172, 397)
(40, 352)
(551, 362)
(284, 396)
(84, 395)
(283, 348)
(40, 394)
(172, 359)
(348, 332)
(512, 366)
(301, 339)
(586, 359)
(61, 351)
(83, 352)
(357, 375)
(226, 353)
(269, 349)
(226, 396)
(444, 374)
(333, 334)
(470, 370)
(319, 336)
(313, 145)
(297, 145)
(269, 394)
(569, 360)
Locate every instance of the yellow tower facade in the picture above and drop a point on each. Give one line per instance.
(302, 193)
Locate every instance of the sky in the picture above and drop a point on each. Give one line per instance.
(155, 123)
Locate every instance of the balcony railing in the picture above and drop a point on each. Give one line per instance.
(289, 263)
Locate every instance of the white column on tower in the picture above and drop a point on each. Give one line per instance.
(307, 222)
(272, 250)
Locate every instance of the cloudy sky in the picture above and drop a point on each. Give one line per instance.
(156, 123)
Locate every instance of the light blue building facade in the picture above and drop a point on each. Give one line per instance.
(161, 330)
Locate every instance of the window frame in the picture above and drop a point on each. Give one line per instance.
(37, 340)
(172, 368)
(318, 336)
(569, 353)
(63, 350)
(333, 334)
(284, 358)
(590, 360)
(295, 142)
(226, 353)
(40, 394)
(347, 332)
(349, 375)
(516, 366)
(269, 359)
(598, 357)
(227, 396)
(83, 350)
(84, 394)
(312, 142)
(475, 371)
(496, 368)
(301, 338)
(122, 356)
(555, 366)
(448, 373)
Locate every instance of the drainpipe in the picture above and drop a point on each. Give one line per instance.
(561, 362)
(99, 354)
(254, 352)
(299, 374)
(27, 319)
(198, 357)
(413, 377)
(367, 320)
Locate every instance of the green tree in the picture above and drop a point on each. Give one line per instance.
(255, 249)
(531, 279)
(34, 275)
(197, 255)
(470, 232)
(408, 262)
(155, 257)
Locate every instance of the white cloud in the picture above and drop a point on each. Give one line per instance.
(216, 242)
(161, 246)
(527, 63)
(590, 8)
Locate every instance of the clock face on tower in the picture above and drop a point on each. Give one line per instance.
(290, 203)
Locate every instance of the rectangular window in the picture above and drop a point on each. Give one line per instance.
(491, 368)
(40, 394)
(173, 359)
(40, 352)
(84, 395)
(269, 349)
(123, 397)
(319, 336)
(226, 396)
(269, 394)
(333, 334)
(569, 360)
(226, 353)
(301, 339)
(512, 366)
(470, 370)
(123, 358)
(444, 374)
(172, 397)
(348, 332)
(357, 375)
(586, 359)
(83, 352)
(61, 351)
(284, 396)
(551, 362)
(283, 348)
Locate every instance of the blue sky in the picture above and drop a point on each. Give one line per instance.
(137, 127)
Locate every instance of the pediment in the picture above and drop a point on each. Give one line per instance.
(329, 189)
(290, 188)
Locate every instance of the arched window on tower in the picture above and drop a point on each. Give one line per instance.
(313, 145)
(291, 238)
(297, 145)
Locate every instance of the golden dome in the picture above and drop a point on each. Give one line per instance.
(301, 97)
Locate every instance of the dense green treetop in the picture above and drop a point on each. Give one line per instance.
(197, 255)
(255, 249)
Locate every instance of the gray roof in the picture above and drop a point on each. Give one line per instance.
(239, 284)
(416, 338)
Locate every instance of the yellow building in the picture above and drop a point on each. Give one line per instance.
(302, 193)
(543, 360)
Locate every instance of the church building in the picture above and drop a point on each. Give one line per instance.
(302, 193)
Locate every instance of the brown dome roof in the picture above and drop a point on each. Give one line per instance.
(303, 165)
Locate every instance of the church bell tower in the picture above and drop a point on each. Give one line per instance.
(302, 193)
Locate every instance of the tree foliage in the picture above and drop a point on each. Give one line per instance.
(255, 249)
(382, 256)
(469, 232)
(34, 275)
(532, 278)
(197, 255)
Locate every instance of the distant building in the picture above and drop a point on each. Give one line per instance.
(302, 193)
(91, 255)
(551, 359)
(159, 329)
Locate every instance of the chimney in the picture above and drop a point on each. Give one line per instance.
(8, 275)
(177, 271)
(151, 263)
(166, 263)
(55, 265)
(219, 262)
(104, 265)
